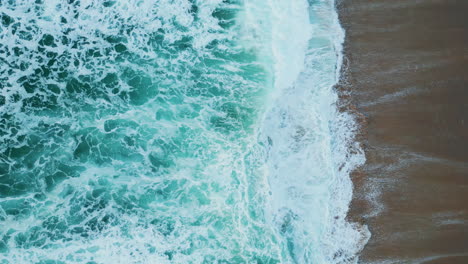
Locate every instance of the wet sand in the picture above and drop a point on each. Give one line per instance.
(406, 72)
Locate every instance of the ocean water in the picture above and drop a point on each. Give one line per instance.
(174, 131)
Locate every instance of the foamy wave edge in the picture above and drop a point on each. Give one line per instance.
(312, 148)
(349, 156)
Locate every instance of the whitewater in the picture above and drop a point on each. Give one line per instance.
(174, 131)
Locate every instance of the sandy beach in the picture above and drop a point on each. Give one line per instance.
(406, 72)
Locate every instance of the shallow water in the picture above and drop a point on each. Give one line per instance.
(175, 131)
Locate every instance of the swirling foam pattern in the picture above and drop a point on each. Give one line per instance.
(142, 131)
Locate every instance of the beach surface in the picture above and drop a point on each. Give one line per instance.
(406, 72)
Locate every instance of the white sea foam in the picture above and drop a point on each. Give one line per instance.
(228, 205)
(311, 148)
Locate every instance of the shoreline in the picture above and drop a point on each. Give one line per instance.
(403, 78)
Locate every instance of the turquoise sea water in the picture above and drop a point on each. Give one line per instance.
(173, 131)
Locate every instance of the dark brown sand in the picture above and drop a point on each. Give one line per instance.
(406, 68)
